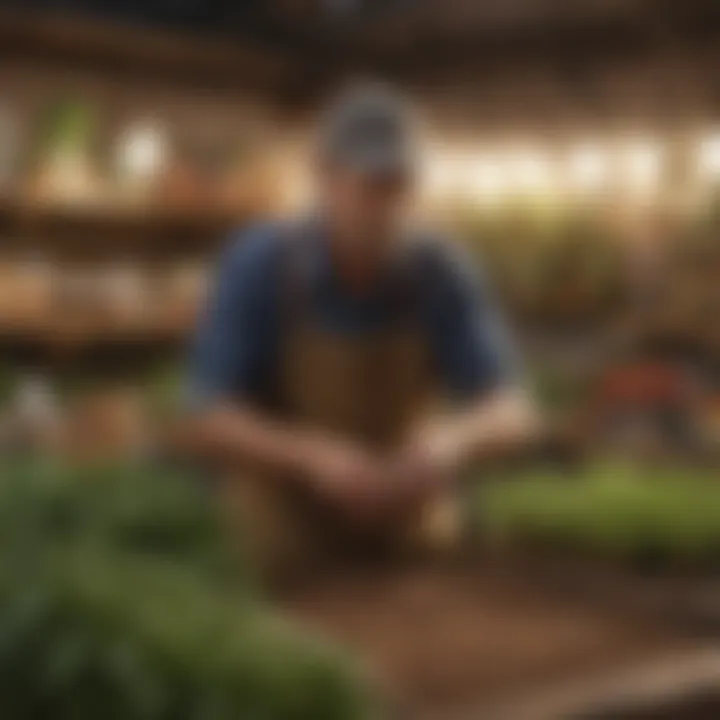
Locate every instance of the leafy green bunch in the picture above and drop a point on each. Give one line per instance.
(670, 515)
(120, 600)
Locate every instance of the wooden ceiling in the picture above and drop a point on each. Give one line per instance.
(537, 61)
(495, 52)
(392, 31)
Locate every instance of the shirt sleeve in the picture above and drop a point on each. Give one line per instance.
(472, 342)
(234, 341)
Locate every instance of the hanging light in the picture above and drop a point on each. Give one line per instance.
(142, 150)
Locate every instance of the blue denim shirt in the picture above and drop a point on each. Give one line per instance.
(236, 349)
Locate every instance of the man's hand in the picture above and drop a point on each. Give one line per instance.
(438, 450)
(424, 466)
(369, 488)
(346, 476)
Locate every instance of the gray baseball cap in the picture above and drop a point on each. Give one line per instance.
(370, 129)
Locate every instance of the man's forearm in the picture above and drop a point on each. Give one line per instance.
(491, 426)
(232, 435)
(501, 423)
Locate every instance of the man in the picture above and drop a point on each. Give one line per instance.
(328, 344)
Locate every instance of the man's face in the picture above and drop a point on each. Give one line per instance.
(367, 209)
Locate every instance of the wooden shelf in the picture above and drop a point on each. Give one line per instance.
(95, 230)
(20, 210)
(69, 338)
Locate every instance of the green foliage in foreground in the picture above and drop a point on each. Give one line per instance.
(132, 508)
(93, 634)
(668, 515)
(118, 601)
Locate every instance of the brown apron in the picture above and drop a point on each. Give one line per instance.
(371, 388)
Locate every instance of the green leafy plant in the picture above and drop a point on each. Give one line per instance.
(671, 515)
(120, 600)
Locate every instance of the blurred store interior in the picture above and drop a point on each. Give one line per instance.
(575, 145)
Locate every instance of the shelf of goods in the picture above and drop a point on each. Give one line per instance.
(107, 231)
(68, 306)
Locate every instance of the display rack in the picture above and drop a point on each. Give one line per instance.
(123, 66)
(104, 231)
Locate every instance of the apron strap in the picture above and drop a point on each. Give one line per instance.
(410, 288)
(296, 270)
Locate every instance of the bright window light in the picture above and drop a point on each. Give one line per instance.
(641, 166)
(709, 156)
(487, 178)
(588, 168)
(529, 172)
(443, 175)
